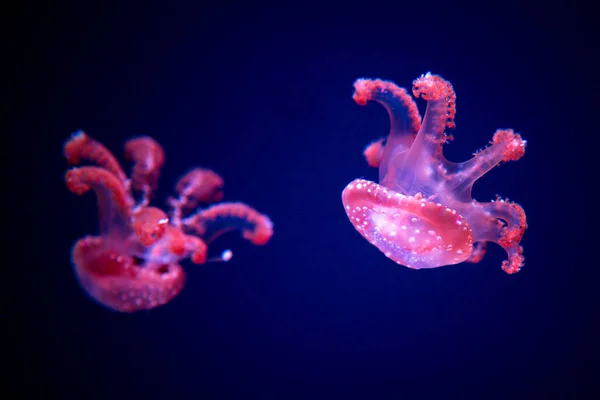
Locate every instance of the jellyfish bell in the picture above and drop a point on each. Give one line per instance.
(410, 230)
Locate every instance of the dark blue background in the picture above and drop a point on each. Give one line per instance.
(263, 96)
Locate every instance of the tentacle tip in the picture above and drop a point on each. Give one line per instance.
(361, 94)
(259, 238)
(432, 87)
(77, 135)
(74, 183)
(364, 89)
(199, 256)
(260, 235)
(72, 147)
(429, 86)
(226, 255)
(513, 264)
(373, 153)
(513, 144)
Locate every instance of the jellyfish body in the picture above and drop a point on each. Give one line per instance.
(421, 214)
(133, 263)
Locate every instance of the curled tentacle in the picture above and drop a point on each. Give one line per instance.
(506, 225)
(82, 147)
(405, 120)
(223, 217)
(148, 158)
(506, 145)
(479, 250)
(200, 185)
(374, 153)
(441, 104)
(114, 203)
(197, 186)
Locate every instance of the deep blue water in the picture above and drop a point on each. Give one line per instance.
(263, 96)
